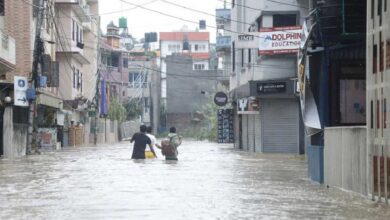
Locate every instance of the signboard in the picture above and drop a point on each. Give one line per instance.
(220, 99)
(280, 40)
(272, 87)
(247, 40)
(225, 126)
(47, 137)
(20, 88)
(248, 106)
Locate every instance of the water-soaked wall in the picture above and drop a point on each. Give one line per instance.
(346, 158)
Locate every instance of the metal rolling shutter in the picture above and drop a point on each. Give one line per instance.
(280, 126)
(257, 133)
(251, 133)
(245, 132)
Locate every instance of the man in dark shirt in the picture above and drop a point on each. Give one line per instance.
(140, 141)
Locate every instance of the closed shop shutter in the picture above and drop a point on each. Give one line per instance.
(280, 120)
(251, 133)
(257, 133)
(245, 132)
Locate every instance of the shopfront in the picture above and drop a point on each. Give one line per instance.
(47, 121)
(279, 115)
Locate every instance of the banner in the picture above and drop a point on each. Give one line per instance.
(280, 40)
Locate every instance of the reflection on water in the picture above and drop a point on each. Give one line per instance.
(209, 181)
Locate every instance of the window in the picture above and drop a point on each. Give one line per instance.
(352, 101)
(384, 112)
(233, 57)
(74, 77)
(374, 58)
(123, 93)
(81, 35)
(78, 79)
(77, 33)
(249, 56)
(196, 47)
(73, 30)
(381, 53)
(233, 3)
(372, 114)
(284, 20)
(242, 57)
(125, 63)
(81, 82)
(199, 66)
(388, 54)
(2, 12)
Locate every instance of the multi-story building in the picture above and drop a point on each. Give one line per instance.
(129, 75)
(19, 19)
(188, 92)
(223, 41)
(262, 83)
(195, 43)
(77, 54)
(378, 92)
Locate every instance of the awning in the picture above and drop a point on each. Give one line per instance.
(49, 100)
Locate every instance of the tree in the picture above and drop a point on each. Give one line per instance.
(133, 109)
(116, 111)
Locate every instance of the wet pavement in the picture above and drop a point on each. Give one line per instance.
(209, 181)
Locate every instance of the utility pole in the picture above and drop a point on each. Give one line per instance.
(38, 51)
(97, 96)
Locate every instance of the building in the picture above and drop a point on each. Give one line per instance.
(77, 54)
(332, 75)
(129, 75)
(7, 59)
(188, 91)
(197, 43)
(378, 91)
(19, 20)
(223, 41)
(263, 76)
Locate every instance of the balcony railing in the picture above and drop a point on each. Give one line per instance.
(138, 85)
(223, 42)
(7, 48)
(80, 7)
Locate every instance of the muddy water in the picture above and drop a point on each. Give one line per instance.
(209, 181)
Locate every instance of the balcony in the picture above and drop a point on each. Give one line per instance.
(222, 16)
(80, 7)
(7, 52)
(74, 50)
(223, 43)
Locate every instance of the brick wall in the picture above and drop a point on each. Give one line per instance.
(18, 23)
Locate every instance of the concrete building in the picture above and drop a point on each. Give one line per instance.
(18, 19)
(223, 41)
(262, 83)
(77, 54)
(378, 92)
(188, 90)
(198, 43)
(129, 75)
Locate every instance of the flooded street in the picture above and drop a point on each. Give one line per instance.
(209, 181)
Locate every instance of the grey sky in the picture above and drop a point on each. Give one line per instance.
(140, 20)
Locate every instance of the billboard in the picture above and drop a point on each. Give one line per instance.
(280, 40)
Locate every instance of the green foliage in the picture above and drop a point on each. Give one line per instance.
(208, 127)
(116, 111)
(133, 109)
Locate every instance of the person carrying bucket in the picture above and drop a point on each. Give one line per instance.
(148, 153)
(140, 141)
